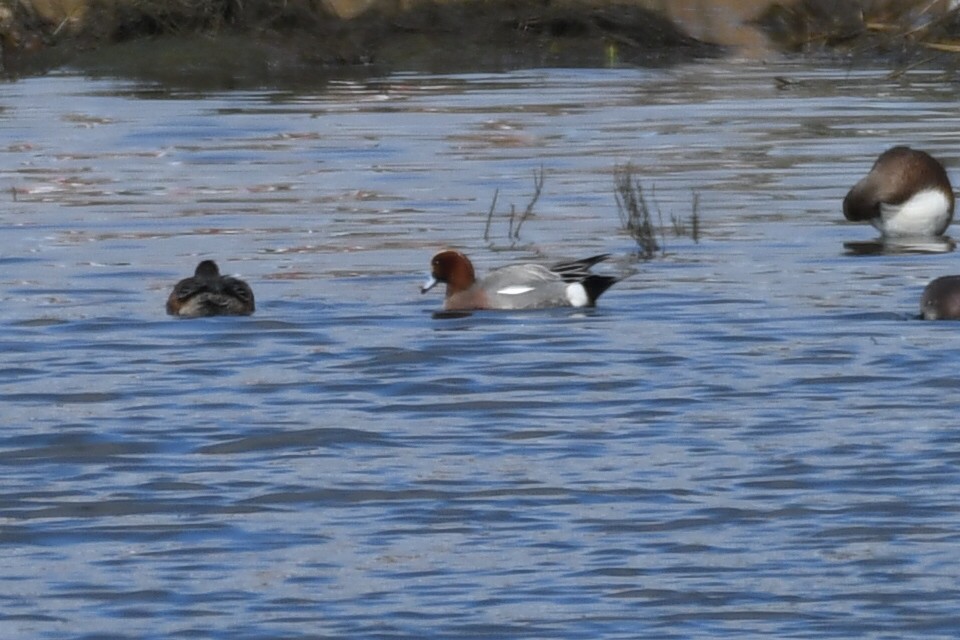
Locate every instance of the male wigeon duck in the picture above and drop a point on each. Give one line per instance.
(941, 299)
(521, 286)
(207, 293)
(906, 193)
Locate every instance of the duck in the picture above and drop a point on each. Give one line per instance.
(518, 286)
(941, 299)
(207, 293)
(906, 193)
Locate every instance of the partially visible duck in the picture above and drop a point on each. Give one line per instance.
(521, 286)
(207, 293)
(906, 193)
(941, 299)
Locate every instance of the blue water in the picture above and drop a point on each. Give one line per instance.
(749, 437)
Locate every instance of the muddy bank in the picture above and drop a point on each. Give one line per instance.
(224, 42)
(287, 37)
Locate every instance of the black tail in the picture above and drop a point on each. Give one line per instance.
(577, 270)
(596, 285)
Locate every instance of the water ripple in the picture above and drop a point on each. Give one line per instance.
(750, 436)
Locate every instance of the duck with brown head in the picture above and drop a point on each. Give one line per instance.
(520, 286)
(906, 193)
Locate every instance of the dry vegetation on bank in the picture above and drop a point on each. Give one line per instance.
(338, 32)
(456, 33)
(899, 29)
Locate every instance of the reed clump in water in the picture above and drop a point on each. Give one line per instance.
(634, 211)
(637, 219)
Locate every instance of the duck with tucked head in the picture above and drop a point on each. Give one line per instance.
(906, 193)
(520, 286)
(207, 293)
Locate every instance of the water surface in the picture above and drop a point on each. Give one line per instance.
(750, 436)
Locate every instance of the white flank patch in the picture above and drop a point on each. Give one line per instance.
(926, 213)
(515, 290)
(577, 295)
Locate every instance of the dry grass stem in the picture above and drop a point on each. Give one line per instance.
(636, 214)
(634, 211)
(515, 220)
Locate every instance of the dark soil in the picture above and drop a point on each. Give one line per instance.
(260, 40)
